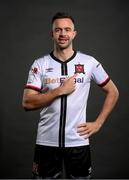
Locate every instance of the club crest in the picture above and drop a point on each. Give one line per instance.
(79, 68)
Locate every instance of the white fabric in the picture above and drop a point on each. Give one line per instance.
(46, 73)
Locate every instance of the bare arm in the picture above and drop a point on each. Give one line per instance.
(35, 100)
(112, 95)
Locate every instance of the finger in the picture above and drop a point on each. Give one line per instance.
(86, 135)
(84, 132)
(82, 125)
(69, 78)
(89, 134)
(81, 129)
(73, 77)
(66, 78)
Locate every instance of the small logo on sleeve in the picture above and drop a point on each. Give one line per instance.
(49, 70)
(34, 70)
(79, 68)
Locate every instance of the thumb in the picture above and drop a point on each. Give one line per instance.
(74, 76)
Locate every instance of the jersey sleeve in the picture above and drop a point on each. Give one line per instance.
(35, 77)
(99, 75)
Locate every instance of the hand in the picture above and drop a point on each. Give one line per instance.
(68, 86)
(89, 128)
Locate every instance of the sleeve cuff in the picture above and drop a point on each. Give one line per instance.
(104, 83)
(33, 87)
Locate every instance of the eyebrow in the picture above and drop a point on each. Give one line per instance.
(66, 28)
(63, 28)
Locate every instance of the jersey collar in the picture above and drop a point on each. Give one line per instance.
(58, 60)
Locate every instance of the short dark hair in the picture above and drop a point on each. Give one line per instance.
(62, 15)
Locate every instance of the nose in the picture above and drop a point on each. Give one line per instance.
(62, 32)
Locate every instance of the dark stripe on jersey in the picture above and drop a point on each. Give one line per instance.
(62, 121)
(64, 69)
(63, 111)
(105, 82)
(63, 108)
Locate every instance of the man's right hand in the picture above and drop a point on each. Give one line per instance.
(68, 86)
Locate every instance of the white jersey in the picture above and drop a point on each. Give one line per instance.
(59, 121)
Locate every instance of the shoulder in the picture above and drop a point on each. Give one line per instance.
(86, 58)
(43, 59)
(41, 63)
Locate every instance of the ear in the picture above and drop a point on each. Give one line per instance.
(51, 34)
(75, 34)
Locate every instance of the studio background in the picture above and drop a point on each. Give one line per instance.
(103, 32)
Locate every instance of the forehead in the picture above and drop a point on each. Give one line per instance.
(64, 22)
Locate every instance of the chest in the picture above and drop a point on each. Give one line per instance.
(56, 72)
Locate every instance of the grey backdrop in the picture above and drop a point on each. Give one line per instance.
(103, 32)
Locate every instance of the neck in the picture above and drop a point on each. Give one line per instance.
(63, 54)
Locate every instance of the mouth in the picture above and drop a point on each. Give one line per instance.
(62, 40)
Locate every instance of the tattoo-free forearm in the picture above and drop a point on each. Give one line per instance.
(36, 101)
(109, 103)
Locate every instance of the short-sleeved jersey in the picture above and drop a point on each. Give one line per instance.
(58, 122)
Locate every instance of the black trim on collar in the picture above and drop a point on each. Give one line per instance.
(58, 60)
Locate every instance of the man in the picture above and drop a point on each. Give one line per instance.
(59, 84)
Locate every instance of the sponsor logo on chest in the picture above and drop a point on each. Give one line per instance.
(61, 80)
(79, 68)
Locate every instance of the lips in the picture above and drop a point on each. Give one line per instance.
(62, 40)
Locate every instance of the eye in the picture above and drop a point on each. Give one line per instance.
(68, 29)
(57, 30)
